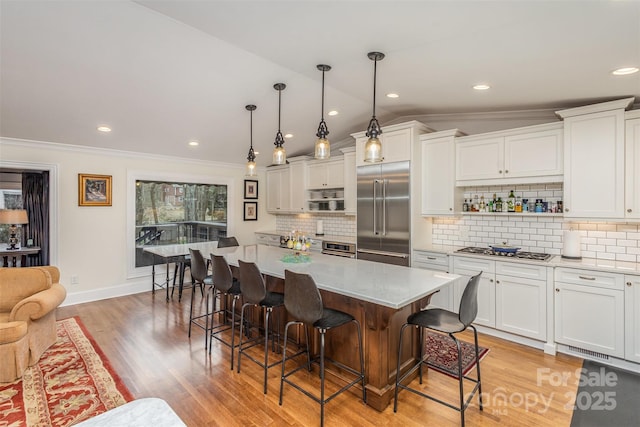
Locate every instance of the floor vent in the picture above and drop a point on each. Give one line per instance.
(589, 353)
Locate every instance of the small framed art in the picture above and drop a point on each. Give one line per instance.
(250, 211)
(250, 189)
(94, 190)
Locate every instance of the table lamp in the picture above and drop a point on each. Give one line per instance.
(13, 217)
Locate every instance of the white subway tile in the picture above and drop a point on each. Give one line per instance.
(625, 257)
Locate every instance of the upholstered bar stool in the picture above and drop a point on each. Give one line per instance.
(450, 323)
(226, 242)
(224, 284)
(255, 294)
(303, 302)
(200, 279)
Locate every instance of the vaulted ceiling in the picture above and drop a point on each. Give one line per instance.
(163, 73)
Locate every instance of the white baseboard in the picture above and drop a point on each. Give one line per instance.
(137, 286)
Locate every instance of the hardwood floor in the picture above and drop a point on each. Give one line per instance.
(145, 339)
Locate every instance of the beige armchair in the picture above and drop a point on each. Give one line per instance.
(28, 299)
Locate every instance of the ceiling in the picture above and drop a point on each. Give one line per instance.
(162, 73)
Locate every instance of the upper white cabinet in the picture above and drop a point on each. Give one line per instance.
(531, 154)
(632, 167)
(397, 142)
(350, 180)
(440, 196)
(325, 174)
(594, 138)
(278, 189)
(297, 173)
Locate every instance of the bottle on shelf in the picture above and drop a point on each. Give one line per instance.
(499, 205)
(482, 204)
(476, 203)
(525, 205)
(538, 208)
(465, 206)
(518, 204)
(511, 202)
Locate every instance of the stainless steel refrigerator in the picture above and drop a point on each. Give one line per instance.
(384, 214)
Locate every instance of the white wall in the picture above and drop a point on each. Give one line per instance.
(93, 241)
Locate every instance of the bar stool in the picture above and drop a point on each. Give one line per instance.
(224, 284)
(451, 323)
(201, 279)
(303, 302)
(254, 293)
(226, 242)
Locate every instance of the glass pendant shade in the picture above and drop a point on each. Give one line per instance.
(373, 146)
(251, 168)
(373, 150)
(323, 149)
(279, 156)
(323, 146)
(279, 153)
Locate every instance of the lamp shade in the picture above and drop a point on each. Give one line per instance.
(13, 216)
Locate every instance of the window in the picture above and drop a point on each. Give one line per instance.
(177, 212)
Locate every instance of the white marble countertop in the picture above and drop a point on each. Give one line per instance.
(387, 285)
(313, 236)
(624, 267)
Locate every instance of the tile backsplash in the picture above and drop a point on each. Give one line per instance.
(333, 224)
(536, 232)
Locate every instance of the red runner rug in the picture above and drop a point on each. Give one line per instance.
(442, 353)
(73, 381)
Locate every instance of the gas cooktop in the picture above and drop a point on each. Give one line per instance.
(537, 256)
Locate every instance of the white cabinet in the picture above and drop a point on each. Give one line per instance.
(632, 169)
(440, 262)
(350, 181)
(468, 267)
(531, 154)
(589, 310)
(397, 142)
(278, 189)
(632, 318)
(521, 299)
(267, 239)
(440, 196)
(594, 160)
(325, 174)
(297, 173)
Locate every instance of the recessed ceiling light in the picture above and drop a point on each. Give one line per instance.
(333, 113)
(194, 143)
(481, 87)
(104, 128)
(625, 71)
(289, 135)
(393, 95)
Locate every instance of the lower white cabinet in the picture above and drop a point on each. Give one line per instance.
(267, 239)
(439, 262)
(521, 300)
(467, 267)
(632, 318)
(589, 310)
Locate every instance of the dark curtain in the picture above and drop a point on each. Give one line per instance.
(35, 196)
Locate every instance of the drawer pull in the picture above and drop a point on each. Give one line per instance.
(587, 278)
(431, 257)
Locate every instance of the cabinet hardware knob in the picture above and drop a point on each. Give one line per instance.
(450, 209)
(506, 171)
(566, 209)
(497, 282)
(557, 290)
(500, 171)
(490, 280)
(629, 210)
(628, 283)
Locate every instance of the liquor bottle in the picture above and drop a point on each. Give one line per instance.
(518, 204)
(499, 205)
(482, 204)
(511, 202)
(494, 208)
(476, 204)
(465, 206)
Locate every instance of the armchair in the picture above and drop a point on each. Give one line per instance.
(28, 299)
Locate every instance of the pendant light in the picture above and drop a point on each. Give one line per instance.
(323, 147)
(279, 154)
(373, 147)
(251, 158)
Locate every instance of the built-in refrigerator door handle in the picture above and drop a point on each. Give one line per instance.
(384, 207)
(375, 232)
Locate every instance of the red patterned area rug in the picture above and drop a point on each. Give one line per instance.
(441, 352)
(73, 381)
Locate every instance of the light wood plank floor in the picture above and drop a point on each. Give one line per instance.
(145, 339)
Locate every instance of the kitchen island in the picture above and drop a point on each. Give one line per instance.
(379, 296)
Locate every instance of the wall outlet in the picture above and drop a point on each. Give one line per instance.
(74, 280)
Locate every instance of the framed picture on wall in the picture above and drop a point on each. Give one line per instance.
(94, 190)
(250, 189)
(250, 211)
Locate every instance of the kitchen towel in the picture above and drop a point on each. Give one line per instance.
(571, 245)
